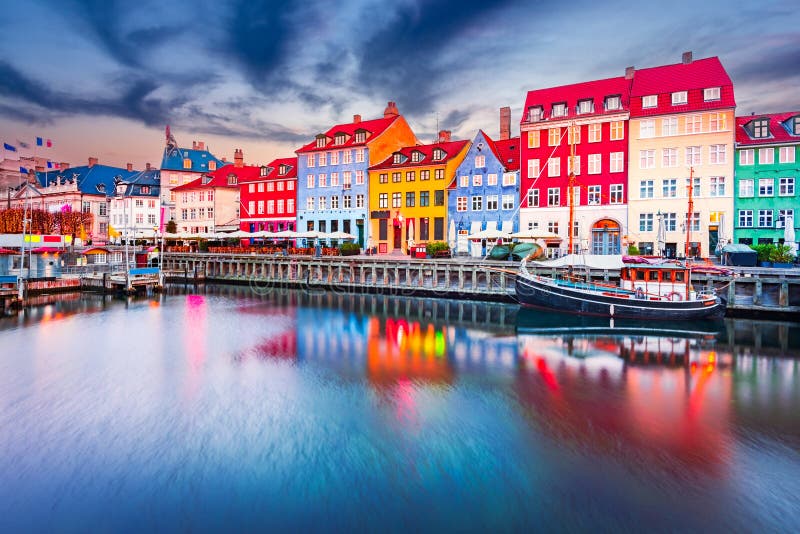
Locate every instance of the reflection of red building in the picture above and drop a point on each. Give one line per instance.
(407, 350)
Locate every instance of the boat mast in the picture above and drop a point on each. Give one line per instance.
(690, 213)
(571, 185)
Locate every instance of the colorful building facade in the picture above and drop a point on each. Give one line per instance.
(597, 114)
(485, 191)
(269, 196)
(408, 194)
(682, 122)
(333, 172)
(767, 172)
(135, 210)
(211, 203)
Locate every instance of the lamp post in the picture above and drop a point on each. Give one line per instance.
(689, 213)
(118, 181)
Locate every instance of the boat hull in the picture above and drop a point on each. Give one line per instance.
(538, 294)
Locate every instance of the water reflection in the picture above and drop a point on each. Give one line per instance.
(223, 408)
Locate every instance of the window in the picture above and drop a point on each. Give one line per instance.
(766, 156)
(669, 188)
(693, 155)
(211, 196)
(765, 218)
(533, 168)
(359, 200)
(323, 159)
(270, 187)
(554, 167)
(746, 157)
(787, 154)
(695, 187)
(251, 188)
(310, 160)
(438, 197)
(717, 188)
(416, 156)
(552, 227)
(646, 188)
(717, 122)
(613, 103)
(796, 126)
(533, 139)
(650, 101)
(335, 158)
(766, 187)
(323, 180)
(594, 195)
(718, 154)
(480, 161)
(760, 128)
(232, 179)
(695, 221)
(334, 179)
(424, 175)
(424, 228)
(679, 98)
(694, 124)
(594, 164)
(559, 110)
(554, 196)
(574, 135)
(669, 157)
(492, 202)
(192, 213)
(184, 214)
(310, 181)
(645, 222)
(617, 130)
(786, 187)
(383, 200)
(553, 136)
(573, 162)
(411, 176)
(438, 154)
(670, 222)
(383, 178)
(783, 215)
(438, 174)
(360, 177)
(187, 163)
(491, 179)
(347, 203)
(616, 193)
(746, 188)
(411, 198)
(360, 151)
(251, 207)
(533, 198)
(290, 186)
(397, 200)
(477, 180)
(647, 129)
(103, 209)
(322, 203)
(647, 159)
(347, 156)
(669, 126)
(595, 133)
(463, 181)
(712, 93)
(746, 218)
(535, 113)
(461, 203)
(396, 177)
(290, 205)
(334, 202)
(617, 164)
(477, 203)
(508, 202)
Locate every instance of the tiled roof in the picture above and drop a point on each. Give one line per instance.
(780, 125)
(596, 90)
(219, 178)
(698, 74)
(450, 148)
(173, 161)
(274, 172)
(373, 128)
(507, 151)
(151, 179)
(95, 180)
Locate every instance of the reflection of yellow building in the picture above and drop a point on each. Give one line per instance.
(408, 194)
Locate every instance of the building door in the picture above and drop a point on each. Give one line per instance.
(398, 237)
(360, 234)
(605, 237)
(670, 250)
(713, 240)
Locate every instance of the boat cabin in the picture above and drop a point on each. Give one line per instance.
(670, 281)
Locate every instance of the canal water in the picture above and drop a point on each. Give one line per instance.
(228, 409)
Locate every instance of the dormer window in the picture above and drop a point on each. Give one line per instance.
(187, 163)
(361, 136)
(585, 106)
(100, 187)
(438, 154)
(679, 98)
(283, 169)
(263, 171)
(232, 180)
(206, 179)
(535, 113)
(340, 139)
(212, 165)
(760, 128)
(398, 158)
(613, 103)
(416, 156)
(321, 141)
(711, 93)
(559, 110)
(650, 101)
(145, 190)
(796, 126)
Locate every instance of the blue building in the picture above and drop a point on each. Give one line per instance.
(332, 176)
(485, 191)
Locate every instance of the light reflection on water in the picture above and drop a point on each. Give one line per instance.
(227, 410)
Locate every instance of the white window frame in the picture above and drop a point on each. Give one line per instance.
(650, 101)
(554, 167)
(787, 154)
(711, 94)
(617, 162)
(647, 129)
(747, 188)
(595, 164)
(746, 157)
(679, 98)
(766, 156)
(533, 198)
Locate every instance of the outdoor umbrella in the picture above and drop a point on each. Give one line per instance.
(661, 237)
(451, 235)
(788, 234)
(534, 234)
(341, 235)
(490, 233)
(410, 233)
(720, 235)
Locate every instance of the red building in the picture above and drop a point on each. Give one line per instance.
(598, 111)
(269, 196)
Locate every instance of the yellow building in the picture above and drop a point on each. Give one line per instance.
(408, 194)
(682, 123)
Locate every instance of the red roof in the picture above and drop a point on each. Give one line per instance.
(778, 133)
(507, 151)
(596, 90)
(219, 178)
(273, 172)
(450, 148)
(373, 128)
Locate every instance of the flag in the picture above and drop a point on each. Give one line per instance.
(10, 148)
(112, 232)
(23, 170)
(48, 143)
(49, 164)
(39, 141)
(23, 144)
(56, 165)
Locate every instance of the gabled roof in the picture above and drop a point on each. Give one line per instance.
(780, 125)
(373, 128)
(95, 180)
(698, 74)
(151, 179)
(570, 95)
(273, 171)
(219, 178)
(173, 160)
(450, 148)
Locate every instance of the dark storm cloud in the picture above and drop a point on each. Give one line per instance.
(778, 63)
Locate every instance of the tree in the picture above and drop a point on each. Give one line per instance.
(172, 227)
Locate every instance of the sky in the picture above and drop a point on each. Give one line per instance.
(103, 78)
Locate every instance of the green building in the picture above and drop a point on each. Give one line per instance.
(766, 175)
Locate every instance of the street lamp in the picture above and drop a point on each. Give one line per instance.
(118, 181)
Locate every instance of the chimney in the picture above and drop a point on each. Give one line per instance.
(444, 136)
(686, 58)
(390, 111)
(63, 165)
(224, 159)
(32, 177)
(238, 158)
(505, 123)
(129, 167)
(629, 71)
(147, 166)
(356, 119)
(194, 145)
(92, 162)
(201, 145)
